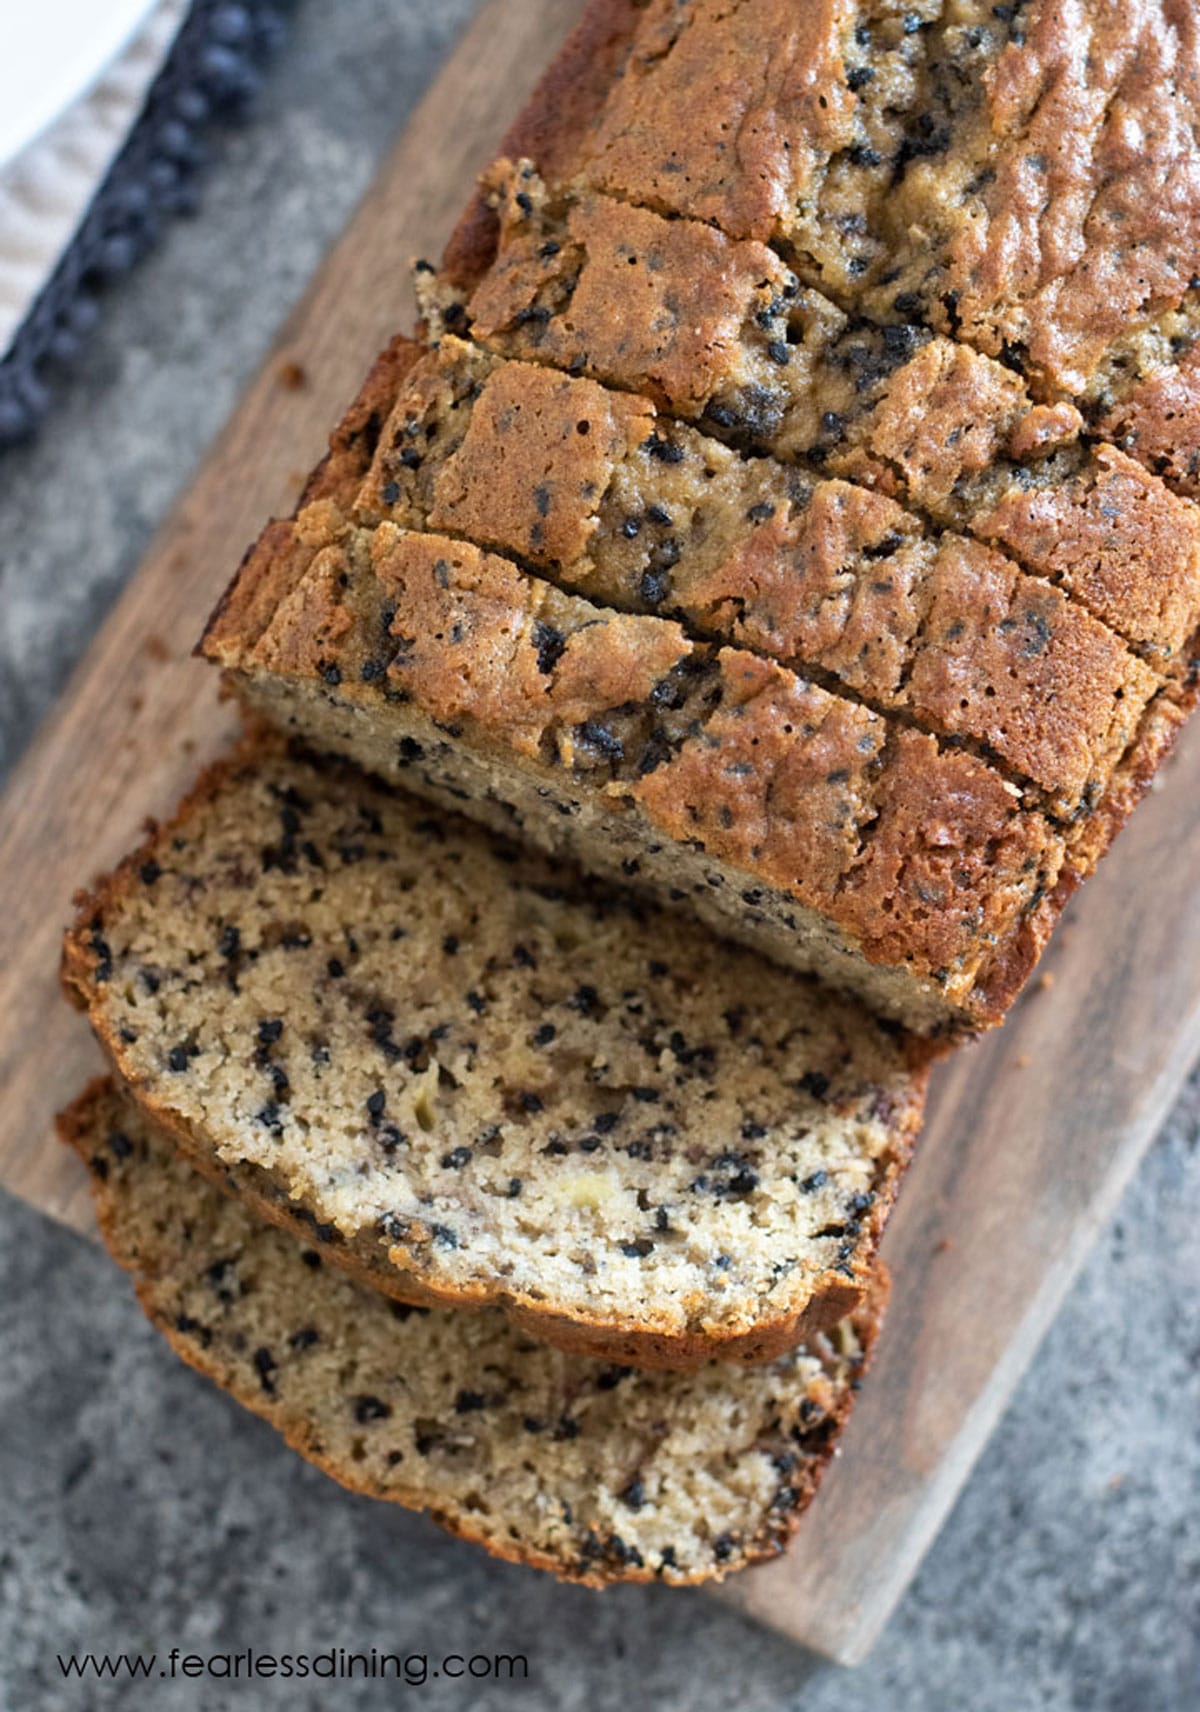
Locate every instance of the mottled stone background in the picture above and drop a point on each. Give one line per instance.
(139, 1509)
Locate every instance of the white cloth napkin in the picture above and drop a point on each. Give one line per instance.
(46, 189)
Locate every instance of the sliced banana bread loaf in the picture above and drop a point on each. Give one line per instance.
(931, 888)
(595, 1472)
(484, 1082)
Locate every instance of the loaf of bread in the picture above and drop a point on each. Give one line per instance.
(478, 1080)
(593, 1471)
(935, 642)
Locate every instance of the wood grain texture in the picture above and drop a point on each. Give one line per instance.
(1033, 1133)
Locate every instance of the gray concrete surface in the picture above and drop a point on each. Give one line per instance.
(140, 1510)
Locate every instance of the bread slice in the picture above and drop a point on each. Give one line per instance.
(908, 871)
(595, 1472)
(479, 1080)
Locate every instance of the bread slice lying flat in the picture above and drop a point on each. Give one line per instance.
(478, 1080)
(598, 1473)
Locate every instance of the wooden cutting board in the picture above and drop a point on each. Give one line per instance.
(1033, 1133)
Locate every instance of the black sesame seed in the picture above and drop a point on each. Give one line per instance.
(368, 1409)
(600, 738)
(456, 1158)
(550, 644)
(637, 1250)
(664, 450)
(177, 1059)
(265, 1366)
(654, 587)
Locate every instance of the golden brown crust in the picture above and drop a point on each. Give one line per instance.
(1091, 114)
(829, 578)
(81, 1126)
(564, 103)
(1092, 838)
(945, 414)
(713, 330)
(278, 560)
(726, 122)
(1116, 537)
(1017, 670)
(982, 123)
(659, 305)
(1158, 423)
